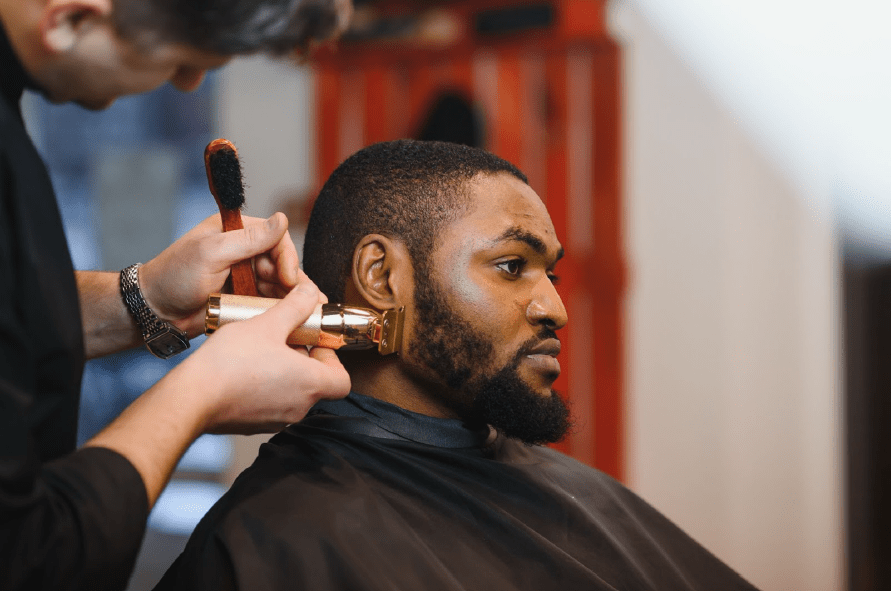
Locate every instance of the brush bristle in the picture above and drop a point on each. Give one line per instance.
(225, 171)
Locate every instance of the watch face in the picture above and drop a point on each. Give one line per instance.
(167, 343)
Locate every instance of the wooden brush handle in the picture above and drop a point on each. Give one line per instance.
(241, 278)
(241, 274)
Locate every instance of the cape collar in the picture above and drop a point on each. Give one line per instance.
(449, 433)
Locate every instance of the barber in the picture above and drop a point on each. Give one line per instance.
(74, 519)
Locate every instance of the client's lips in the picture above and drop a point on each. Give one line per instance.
(547, 347)
(543, 357)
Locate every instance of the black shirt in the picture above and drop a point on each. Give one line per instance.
(68, 520)
(363, 495)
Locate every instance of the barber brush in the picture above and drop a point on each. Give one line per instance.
(224, 179)
(332, 326)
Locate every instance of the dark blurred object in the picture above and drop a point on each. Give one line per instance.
(426, 21)
(452, 118)
(514, 19)
(867, 350)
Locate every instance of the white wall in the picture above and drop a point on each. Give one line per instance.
(733, 328)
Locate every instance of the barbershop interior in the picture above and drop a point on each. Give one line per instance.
(717, 173)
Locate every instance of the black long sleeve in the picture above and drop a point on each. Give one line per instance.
(68, 519)
(77, 526)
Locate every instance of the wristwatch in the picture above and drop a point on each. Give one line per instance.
(161, 338)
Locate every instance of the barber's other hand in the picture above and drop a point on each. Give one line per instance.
(254, 382)
(176, 283)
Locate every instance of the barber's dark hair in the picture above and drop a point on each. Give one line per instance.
(406, 190)
(232, 27)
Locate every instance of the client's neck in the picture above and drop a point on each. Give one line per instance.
(385, 378)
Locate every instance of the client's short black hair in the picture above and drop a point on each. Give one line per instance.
(232, 27)
(404, 189)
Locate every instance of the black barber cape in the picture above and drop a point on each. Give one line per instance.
(68, 520)
(363, 495)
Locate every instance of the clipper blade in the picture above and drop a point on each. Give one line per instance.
(390, 339)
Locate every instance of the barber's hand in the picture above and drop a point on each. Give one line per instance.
(243, 379)
(176, 283)
(253, 380)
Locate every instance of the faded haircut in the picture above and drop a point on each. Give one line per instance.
(406, 190)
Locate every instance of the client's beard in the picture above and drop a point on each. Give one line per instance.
(451, 348)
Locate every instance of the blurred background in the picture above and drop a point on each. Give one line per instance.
(718, 174)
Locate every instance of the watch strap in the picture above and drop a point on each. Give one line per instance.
(161, 338)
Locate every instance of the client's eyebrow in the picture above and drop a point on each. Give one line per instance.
(528, 238)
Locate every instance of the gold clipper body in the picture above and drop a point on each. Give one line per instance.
(333, 326)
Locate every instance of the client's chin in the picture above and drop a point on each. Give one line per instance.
(516, 409)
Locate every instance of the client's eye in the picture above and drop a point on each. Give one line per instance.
(511, 267)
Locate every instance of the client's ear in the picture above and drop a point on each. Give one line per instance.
(382, 271)
(64, 21)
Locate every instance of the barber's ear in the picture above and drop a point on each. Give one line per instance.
(64, 21)
(381, 270)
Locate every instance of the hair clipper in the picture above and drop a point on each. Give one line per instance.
(333, 326)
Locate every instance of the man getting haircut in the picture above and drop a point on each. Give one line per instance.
(431, 474)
